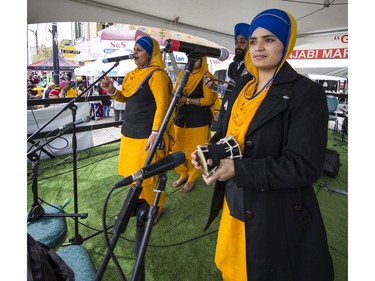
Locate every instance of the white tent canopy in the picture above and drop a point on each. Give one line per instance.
(62, 145)
(97, 68)
(210, 19)
(336, 68)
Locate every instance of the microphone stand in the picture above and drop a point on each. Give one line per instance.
(37, 210)
(77, 239)
(145, 220)
(130, 204)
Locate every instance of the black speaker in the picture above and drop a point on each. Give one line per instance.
(332, 163)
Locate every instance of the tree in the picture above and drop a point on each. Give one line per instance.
(45, 52)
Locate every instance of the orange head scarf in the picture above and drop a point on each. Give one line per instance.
(195, 76)
(135, 79)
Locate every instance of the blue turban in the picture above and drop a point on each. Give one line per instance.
(146, 43)
(275, 21)
(241, 29)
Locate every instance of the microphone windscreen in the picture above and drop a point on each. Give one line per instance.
(178, 158)
(224, 54)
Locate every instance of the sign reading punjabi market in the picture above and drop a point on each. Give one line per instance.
(322, 47)
(321, 54)
(337, 53)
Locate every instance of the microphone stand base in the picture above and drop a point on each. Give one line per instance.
(76, 240)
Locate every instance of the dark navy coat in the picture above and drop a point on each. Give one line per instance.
(284, 153)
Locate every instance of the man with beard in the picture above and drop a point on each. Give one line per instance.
(235, 70)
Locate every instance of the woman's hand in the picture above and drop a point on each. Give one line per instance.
(182, 100)
(208, 82)
(224, 172)
(107, 85)
(195, 160)
(150, 141)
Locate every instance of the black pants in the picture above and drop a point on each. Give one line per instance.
(119, 114)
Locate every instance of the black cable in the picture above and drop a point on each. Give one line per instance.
(49, 145)
(182, 242)
(106, 238)
(132, 241)
(66, 163)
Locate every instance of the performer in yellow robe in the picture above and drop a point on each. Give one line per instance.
(192, 121)
(271, 227)
(147, 93)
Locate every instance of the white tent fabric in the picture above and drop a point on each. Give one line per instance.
(337, 68)
(62, 145)
(210, 19)
(97, 67)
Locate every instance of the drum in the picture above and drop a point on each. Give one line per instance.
(232, 151)
(202, 151)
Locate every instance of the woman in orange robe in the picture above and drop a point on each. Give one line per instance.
(271, 227)
(147, 93)
(192, 121)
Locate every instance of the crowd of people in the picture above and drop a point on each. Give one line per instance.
(270, 225)
(39, 88)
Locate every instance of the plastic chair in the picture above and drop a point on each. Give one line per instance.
(79, 262)
(44, 263)
(333, 104)
(50, 231)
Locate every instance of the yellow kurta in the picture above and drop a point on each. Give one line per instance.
(132, 155)
(159, 86)
(187, 139)
(230, 256)
(133, 159)
(132, 151)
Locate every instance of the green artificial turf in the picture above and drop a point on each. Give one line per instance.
(178, 248)
(334, 208)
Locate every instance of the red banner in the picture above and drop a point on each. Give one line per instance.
(337, 53)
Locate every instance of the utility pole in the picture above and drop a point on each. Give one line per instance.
(55, 52)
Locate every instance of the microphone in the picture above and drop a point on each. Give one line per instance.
(77, 122)
(169, 162)
(196, 50)
(117, 59)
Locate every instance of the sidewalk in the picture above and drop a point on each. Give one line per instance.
(101, 136)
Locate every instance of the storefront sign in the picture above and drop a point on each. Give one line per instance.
(69, 51)
(336, 53)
